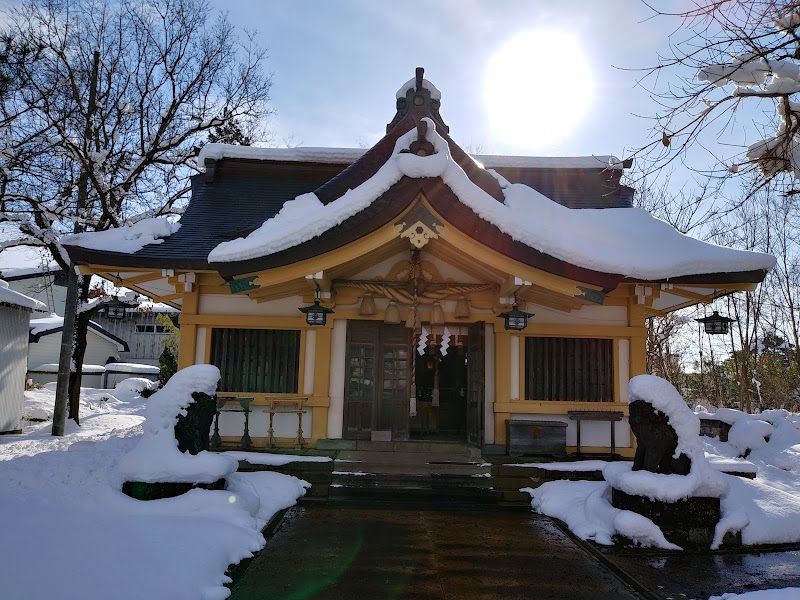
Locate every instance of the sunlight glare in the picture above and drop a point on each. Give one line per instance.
(538, 88)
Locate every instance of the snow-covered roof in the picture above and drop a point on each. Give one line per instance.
(337, 156)
(53, 368)
(347, 156)
(412, 84)
(11, 298)
(129, 238)
(23, 261)
(155, 307)
(54, 324)
(624, 241)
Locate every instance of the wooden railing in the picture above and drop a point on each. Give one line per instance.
(273, 405)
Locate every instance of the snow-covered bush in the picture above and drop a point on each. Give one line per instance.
(157, 458)
(136, 385)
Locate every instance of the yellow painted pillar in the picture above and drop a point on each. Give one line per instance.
(322, 370)
(502, 382)
(638, 347)
(187, 348)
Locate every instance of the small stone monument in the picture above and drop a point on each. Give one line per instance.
(656, 441)
(172, 457)
(671, 482)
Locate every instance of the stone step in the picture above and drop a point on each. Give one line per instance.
(426, 447)
(465, 469)
(411, 480)
(387, 493)
(405, 458)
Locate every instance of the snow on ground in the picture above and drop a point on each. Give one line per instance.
(275, 460)
(782, 594)
(577, 465)
(766, 509)
(76, 535)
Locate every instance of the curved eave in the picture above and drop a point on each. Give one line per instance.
(390, 206)
(727, 278)
(86, 256)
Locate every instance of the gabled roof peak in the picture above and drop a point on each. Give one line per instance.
(418, 98)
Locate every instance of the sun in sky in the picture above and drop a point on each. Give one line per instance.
(538, 88)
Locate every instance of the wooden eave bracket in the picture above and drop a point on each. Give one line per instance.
(322, 282)
(513, 286)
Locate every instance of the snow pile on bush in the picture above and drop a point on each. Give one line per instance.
(771, 437)
(156, 458)
(136, 385)
(702, 480)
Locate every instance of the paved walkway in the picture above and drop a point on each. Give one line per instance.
(329, 552)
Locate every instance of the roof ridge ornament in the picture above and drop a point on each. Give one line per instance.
(418, 98)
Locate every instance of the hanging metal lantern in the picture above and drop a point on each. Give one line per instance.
(716, 324)
(516, 319)
(316, 314)
(116, 309)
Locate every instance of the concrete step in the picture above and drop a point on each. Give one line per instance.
(426, 447)
(465, 469)
(407, 493)
(411, 480)
(405, 458)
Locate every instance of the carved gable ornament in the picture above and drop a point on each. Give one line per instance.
(419, 226)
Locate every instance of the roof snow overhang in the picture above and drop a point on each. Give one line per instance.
(122, 345)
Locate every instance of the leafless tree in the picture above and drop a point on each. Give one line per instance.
(728, 90)
(110, 99)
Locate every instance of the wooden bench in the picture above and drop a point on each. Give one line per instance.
(278, 406)
(596, 415)
(243, 407)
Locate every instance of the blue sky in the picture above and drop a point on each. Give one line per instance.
(337, 65)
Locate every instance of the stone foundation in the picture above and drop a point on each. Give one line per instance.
(687, 523)
(141, 490)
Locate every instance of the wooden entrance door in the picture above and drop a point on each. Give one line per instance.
(377, 380)
(475, 383)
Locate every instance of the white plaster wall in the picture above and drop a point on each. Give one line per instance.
(310, 358)
(515, 367)
(285, 425)
(336, 382)
(593, 433)
(200, 348)
(588, 315)
(242, 305)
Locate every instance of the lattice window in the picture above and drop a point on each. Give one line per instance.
(573, 369)
(257, 360)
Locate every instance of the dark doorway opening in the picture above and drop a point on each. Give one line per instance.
(441, 395)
